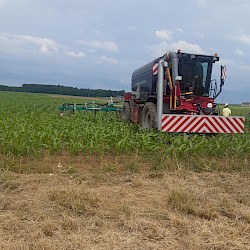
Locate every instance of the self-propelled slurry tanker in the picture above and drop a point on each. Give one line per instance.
(175, 93)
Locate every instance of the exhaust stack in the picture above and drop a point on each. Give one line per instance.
(160, 92)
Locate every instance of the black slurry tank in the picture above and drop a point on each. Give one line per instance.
(144, 80)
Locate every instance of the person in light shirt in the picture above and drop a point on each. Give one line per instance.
(226, 110)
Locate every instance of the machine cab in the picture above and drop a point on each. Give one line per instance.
(196, 71)
(196, 74)
(194, 91)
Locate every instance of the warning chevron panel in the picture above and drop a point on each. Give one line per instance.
(202, 124)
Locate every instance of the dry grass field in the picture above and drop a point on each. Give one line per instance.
(86, 202)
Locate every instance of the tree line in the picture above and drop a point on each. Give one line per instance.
(62, 90)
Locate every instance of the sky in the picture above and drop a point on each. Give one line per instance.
(98, 44)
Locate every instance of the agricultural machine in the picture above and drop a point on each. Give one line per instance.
(110, 106)
(175, 93)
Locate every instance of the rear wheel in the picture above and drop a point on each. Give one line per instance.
(126, 112)
(149, 118)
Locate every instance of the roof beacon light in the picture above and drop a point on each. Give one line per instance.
(215, 57)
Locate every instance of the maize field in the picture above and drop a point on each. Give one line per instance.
(31, 126)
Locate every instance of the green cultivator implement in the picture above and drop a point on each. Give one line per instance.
(91, 106)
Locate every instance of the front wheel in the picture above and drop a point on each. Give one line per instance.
(149, 117)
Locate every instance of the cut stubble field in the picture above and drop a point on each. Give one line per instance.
(90, 203)
(85, 182)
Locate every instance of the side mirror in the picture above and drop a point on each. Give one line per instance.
(222, 74)
(222, 79)
(178, 78)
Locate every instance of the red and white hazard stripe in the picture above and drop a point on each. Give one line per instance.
(202, 124)
(155, 69)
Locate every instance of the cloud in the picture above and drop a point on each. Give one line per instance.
(132, 28)
(97, 32)
(242, 66)
(241, 1)
(2, 2)
(239, 52)
(235, 64)
(102, 45)
(161, 48)
(181, 30)
(200, 34)
(243, 38)
(74, 54)
(202, 2)
(108, 60)
(163, 34)
(4, 38)
(45, 44)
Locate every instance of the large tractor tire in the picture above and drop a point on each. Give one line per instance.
(126, 112)
(149, 117)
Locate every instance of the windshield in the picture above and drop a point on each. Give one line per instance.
(196, 74)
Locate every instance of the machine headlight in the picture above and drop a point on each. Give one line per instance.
(209, 105)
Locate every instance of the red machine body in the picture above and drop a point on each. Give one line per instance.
(178, 86)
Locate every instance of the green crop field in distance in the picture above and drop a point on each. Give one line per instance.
(31, 127)
(238, 110)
